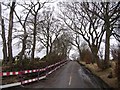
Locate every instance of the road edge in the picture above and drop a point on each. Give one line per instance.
(95, 75)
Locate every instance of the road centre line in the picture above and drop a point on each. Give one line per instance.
(70, 80)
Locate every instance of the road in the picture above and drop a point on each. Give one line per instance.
(71, 75)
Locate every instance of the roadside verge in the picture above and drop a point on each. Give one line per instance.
(103, 83)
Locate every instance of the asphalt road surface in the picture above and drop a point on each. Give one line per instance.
(71, 75)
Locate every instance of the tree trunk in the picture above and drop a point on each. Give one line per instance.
(34, 38)
(4, 42)
(95, 57)
(47, 51)
(23, 46)
(10, 55)
(107, 52)
(107, 43)
(79, 50)
(3, 37)
(51, 48)
(108, 32)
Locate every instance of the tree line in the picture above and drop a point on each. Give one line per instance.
(92, 21)
(39, 29)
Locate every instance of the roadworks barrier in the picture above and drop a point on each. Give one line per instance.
(39, 74)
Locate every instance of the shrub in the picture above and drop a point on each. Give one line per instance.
(28, 64)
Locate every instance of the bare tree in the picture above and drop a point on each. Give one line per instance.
(109, 13)
(31, 11)
(48, 18)
(10, 55)
(34, 12)
(86, 24)
(62, 46)
(3, 37)
(76, 41)
(25, 35)
(49, 29)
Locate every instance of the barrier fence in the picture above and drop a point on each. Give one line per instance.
(38, 74)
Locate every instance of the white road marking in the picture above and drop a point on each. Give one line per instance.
(70, 80)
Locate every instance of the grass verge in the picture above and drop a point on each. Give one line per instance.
(103, 74)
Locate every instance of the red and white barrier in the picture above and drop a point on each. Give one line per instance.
(55, 69)
(27, 71)
(23, 82)
(30, 71)
(21, 72)
(9, 73)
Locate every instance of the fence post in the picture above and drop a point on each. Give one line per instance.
(38, 75)
(46, 71)
(21, 77)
